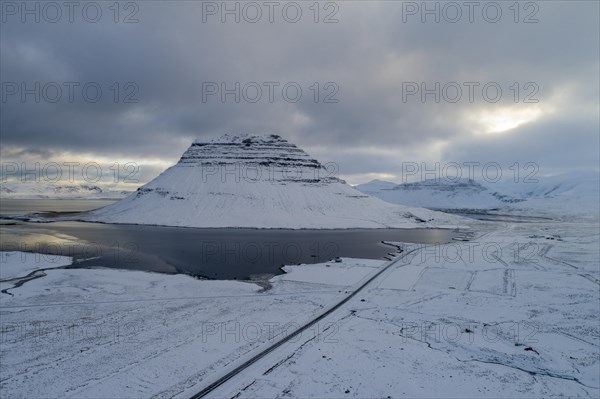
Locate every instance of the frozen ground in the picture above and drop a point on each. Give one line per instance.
(110, 333)
(516, 317)
(512, 313)
(19, 264)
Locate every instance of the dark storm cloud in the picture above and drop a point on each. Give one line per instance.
(368, 55)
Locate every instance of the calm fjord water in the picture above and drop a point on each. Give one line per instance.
(211, 253)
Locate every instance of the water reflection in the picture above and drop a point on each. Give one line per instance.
(211, 253)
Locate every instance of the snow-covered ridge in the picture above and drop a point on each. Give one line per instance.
(569, 190)
(39, 190)
(437, 193)
(258, 182)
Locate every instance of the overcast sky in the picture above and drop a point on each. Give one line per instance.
(361, 65)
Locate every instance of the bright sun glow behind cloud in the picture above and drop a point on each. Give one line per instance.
(505, 119)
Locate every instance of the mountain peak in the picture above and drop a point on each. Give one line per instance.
(242, 138)
(248, 149)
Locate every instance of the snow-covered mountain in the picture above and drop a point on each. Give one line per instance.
(437, 194)
(38, 190)
(575, 185)
(258, 182)
(567, 190)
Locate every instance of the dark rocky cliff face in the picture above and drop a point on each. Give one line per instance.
(270, 156)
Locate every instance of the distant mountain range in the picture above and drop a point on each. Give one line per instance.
(573, 189)
(37, 190)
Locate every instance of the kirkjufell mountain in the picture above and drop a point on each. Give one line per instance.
(257, 182)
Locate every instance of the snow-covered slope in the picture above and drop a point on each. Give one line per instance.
(258, 182)
(575, 186)
(573, 190)
(573, 193)
(437, 194)
(37, 190)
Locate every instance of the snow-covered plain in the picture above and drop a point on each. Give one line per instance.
(515, 315)
(258, 182)
(112, 333)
